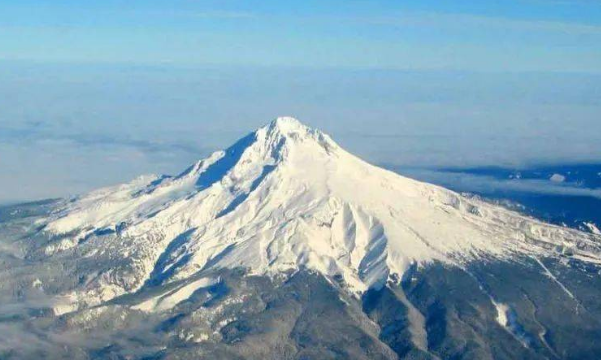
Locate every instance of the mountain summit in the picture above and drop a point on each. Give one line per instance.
(284, 198)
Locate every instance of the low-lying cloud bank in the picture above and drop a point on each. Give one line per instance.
(489, 184)
(87, 126)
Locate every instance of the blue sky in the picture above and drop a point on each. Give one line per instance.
(533, 35)
(96, 92)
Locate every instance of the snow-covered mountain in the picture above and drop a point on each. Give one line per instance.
(285, 246)
(285, 198)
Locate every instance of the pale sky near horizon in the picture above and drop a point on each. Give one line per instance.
(94, 93)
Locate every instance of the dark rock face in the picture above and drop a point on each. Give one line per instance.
(524, 309)
(548, 316)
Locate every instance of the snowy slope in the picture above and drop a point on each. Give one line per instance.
(283, 198)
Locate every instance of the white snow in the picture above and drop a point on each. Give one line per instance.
(65, 304)
(286, 197)
(507, 319)
(593, 228)
(168, 301)
(502, 314)
(550, 275)
(37, 283)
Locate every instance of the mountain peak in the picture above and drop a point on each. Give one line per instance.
(285, 131)
(287, 197)
(287, 123)
(287, 126)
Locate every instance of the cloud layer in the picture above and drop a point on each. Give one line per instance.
(68, 129)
